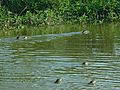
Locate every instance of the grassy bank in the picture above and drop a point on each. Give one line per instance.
(21, 13)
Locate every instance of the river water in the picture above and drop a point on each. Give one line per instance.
(36, 62)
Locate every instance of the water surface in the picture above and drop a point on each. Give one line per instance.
(36, 62)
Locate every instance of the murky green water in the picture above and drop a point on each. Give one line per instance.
(35, 63)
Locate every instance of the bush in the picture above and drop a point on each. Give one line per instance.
(17, 13)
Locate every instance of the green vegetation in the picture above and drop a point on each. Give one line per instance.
(21, 13)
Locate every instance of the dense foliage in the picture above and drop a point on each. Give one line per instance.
(17, 13)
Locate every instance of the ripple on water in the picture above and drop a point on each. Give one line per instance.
(35, 63)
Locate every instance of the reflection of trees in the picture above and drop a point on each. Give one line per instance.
(116, 49)
(104, 39)
(100, 40)
(2, 72)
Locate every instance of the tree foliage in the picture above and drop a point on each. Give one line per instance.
(37, 12)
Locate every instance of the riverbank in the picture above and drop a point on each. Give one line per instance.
(19, 14)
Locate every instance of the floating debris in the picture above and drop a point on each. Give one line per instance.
(17, 37)
(85, 63)
(25, 37)
(92, 82)
(85, 32)
(58, 81)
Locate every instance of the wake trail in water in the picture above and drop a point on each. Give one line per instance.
(49, 37)
(39, 38)
(65, 34)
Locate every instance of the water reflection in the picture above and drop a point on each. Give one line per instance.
(35, 63)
